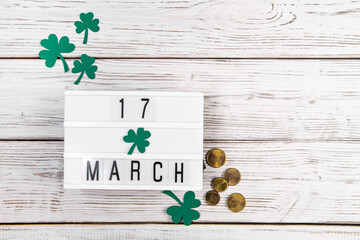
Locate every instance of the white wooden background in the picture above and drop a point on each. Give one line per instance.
(281, 81)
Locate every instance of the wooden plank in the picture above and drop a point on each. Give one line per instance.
(283, 182)
(231, 28)
(244, 99)
(172, 231)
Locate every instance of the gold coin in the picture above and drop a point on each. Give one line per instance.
(219, 184)
(216, 157)
(232, 176)
(236, 202)
(212, 198)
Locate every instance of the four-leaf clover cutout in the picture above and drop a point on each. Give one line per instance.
(184, 211)
(87, 23)
(84, 66)
(55, 48)
(138, 139)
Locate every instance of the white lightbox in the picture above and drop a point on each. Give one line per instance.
(133, 140)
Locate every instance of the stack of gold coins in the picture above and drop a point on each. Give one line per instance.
(236, 202)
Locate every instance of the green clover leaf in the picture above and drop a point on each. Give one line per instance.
(184, 211)
(87, 23)
(55, 48)
(85, 66)
(138, 139)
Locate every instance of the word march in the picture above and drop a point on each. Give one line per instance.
(135, 171)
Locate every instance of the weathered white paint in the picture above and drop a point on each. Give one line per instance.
(244, 99)
(309, 171)
(173, 231)
(283, 182)
(201, 28)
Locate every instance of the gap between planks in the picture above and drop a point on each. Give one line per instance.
(195, 58)
(194, 223)
(206, 140)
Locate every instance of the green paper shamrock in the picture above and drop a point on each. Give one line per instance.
(87, 22)
(85, 66)
(55, 48)
(138, 139)
(184, 211)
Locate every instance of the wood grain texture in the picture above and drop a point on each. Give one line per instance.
(201, 28)
(244, 99)
(282, 182)
(172, 231)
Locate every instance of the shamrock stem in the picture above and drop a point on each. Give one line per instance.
(66, 67)
(79, 78)
(171, 194)
(132, 149)
(86, 36)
